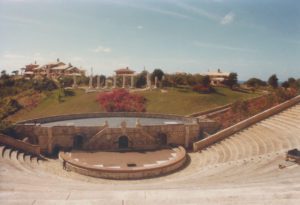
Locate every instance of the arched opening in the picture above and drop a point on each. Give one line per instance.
(123, 142)
(162, 139)
(55, 151)
(77, 142)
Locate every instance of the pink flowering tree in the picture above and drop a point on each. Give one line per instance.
(120, 100)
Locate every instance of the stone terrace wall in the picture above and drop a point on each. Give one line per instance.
(141, 136)
(242, 125)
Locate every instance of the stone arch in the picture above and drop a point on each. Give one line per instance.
(162, 138)
(78, 141)
(55, 150)
(123, 142)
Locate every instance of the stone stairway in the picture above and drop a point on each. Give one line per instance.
(243, 169)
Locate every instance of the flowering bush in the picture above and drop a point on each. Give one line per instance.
(202, 89)
(121, 100)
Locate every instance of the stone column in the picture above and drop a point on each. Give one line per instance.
(115, 81)
(91, 82)
(155, 82)
(98, 81)
(105, 83)
(148, 80)
(123, 81)
(187, 136)
(132, 82)
(74, 81)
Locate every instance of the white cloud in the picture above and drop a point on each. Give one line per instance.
(228, 18)
(102, 49)
(140, 27)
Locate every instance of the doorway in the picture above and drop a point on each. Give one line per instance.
(123, 142)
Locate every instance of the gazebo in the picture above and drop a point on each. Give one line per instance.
(124, 72)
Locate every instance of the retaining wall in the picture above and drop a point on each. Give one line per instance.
(243, 124)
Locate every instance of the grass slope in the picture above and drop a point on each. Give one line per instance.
(174, 101)
(186, 101)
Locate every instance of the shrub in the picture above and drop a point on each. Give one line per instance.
(66, 81)
(203, 89)
(273, 81)
(8, 107)
(120, 100)
(7, 128)
(44, 85)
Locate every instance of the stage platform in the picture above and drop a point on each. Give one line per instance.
(124, 164)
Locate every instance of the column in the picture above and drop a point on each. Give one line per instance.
(74, 81)
(155, 82)
(124, 81)
(132, 82)
(106, 83)
(148, 80)
(98, 81)
(187, 136)
(91, 82)
(115, 81)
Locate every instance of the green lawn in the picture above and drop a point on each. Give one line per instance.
(174, 101)
(186, 101)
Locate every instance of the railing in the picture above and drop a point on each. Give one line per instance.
(18, 144)
(243, 124)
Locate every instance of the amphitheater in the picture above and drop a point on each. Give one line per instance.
(241, 169)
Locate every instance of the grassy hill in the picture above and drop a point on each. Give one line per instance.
(174, 101)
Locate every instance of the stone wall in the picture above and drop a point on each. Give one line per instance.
(106, 138)
(242, 125)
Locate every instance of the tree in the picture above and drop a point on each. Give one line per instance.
(102, 79)
(292, 82)
(120, 100)
(157, 73)
(15, 72)
(4, 75)
(285, 84)
(232, 80)
(141, 79)
(255, 82)
(206, 81)
(273, 81)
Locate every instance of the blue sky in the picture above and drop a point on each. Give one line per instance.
(250, 37)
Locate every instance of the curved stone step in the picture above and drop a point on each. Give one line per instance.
(240, 145)
(6, 153)
(292, 136)
(248, 147)
(234, 150)
(251, 140)
(261, 144)
(270, 146)
(2, 147)
(283, 141)
(278, 142)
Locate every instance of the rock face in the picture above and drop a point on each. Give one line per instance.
(243, 169)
